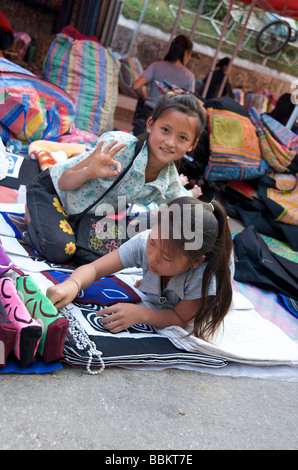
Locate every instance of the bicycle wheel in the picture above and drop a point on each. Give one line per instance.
(273, 37)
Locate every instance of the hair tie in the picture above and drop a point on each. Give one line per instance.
(212, 206)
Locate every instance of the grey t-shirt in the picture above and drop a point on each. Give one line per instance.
(175, 74)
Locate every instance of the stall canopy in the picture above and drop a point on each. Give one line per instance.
(288, 8)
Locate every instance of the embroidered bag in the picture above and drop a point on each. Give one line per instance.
(280, 132)
(235, 152)
(279, 157)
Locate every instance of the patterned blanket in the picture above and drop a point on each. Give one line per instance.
(88, 345)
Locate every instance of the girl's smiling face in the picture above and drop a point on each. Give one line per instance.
(171, 136)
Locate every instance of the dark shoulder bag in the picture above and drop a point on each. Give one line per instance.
(96, 237)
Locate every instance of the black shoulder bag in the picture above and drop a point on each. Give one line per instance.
(94, 238)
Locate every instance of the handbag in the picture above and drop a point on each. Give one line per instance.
(235, 152)
(89, 72)
(96, 237)
(32, 108)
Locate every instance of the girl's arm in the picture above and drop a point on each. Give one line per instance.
(122, 316)
(138, 86)
(97, 165)
(64, 293)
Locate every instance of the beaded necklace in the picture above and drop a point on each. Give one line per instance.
(83, 342)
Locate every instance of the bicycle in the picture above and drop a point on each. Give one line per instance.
(274, 36)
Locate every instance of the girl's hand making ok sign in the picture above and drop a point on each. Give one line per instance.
(98, 165)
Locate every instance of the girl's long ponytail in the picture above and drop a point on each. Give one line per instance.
(214, 307)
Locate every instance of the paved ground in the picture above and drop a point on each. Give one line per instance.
(146, 410)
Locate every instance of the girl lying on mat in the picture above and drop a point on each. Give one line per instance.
(186, 258)
(73, 185)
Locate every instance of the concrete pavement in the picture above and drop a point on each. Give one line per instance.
(145, 410)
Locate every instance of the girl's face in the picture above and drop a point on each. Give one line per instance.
(161, 261)
(171, 136)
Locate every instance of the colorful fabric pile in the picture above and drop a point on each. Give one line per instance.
(89, 73)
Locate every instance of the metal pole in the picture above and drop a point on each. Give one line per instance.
(138, 26)
(292, 118)
(223, 83)
(213, 65)
(197, 18)
(176, 21)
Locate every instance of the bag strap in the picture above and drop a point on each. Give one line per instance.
(47, 129)
(119, 178)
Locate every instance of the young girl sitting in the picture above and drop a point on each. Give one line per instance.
(73, 185)
(187, 276)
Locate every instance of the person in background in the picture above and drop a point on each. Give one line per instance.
(283, 109)
(173, 69)
(217, 79)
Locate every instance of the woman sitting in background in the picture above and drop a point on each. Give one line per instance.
(173, 69)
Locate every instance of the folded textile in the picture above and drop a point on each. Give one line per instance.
(244, 336)
(269, 307)
(280, 196)
(290, 304)
(90, 344)
(104, 291)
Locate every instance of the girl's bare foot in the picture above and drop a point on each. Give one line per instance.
(196, 191)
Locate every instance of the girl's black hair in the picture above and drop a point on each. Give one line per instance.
(178, 47)
(283, 109)
(216, 248)
(223, 62)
